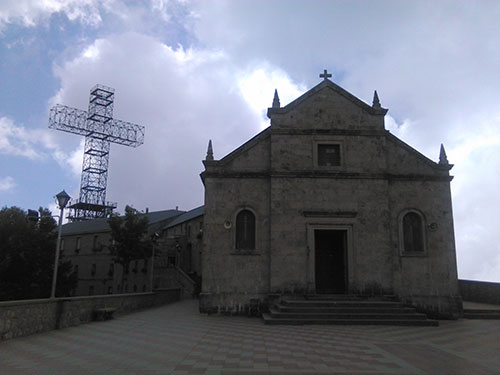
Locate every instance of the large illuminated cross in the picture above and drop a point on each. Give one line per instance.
(100, 129)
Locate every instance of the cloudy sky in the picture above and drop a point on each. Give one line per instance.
(190, 71)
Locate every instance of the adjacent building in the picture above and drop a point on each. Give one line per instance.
(86, 245)
(181, 246)
(185, 233)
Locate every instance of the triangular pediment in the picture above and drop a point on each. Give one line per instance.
(327, 88)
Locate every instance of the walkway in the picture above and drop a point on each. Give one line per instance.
(175, 339)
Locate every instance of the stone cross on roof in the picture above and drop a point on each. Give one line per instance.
(325, 75)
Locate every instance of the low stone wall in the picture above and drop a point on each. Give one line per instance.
(480, 291)
(22, 318)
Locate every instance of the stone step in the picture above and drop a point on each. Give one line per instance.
(347, 309)
(268, 319)
(344, 309)
(341, 303)
(347, 297)
(342, 316)
(482, 311)
(481, 314)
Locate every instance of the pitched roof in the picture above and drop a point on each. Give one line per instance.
(194, 213)
(101, 225)
(247, 145)
(327, 84)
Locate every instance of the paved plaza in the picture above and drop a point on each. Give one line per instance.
(176, 339)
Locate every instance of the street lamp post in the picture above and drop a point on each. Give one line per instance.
(62, 200)
(152, 268)
(155, 238)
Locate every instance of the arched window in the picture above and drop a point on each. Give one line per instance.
(245, 230)
(413, 233)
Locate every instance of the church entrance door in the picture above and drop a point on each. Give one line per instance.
(330, 261)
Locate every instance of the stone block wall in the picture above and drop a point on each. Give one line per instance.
(26, 317)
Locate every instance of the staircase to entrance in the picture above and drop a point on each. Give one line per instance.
(344, 309)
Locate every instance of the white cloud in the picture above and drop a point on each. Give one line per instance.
(72, 159)
(476, 151)
(91, 52)
(477, 202)
(435, 63)
(257, 86)
(161, 6)
(167, 19)
(400, 130)
(489, 271)
(7, 183)
(17, 140)
(183, 97)
(30, 12)
(38, 145)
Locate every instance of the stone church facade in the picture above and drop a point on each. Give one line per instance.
(326, 201)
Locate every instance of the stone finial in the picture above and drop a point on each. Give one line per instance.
(443, 160)
(376, 101)
(210, 151)
(276, 100)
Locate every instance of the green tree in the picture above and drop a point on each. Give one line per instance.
(27, 253)
(129, 238)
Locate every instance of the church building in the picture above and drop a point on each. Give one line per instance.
(327, 201)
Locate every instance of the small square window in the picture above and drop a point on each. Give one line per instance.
(328, 155)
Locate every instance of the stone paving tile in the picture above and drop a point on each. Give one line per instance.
(176, 339)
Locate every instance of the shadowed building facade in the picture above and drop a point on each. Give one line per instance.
(326, 201)
(86, 244)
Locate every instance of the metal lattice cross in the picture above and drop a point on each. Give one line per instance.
(100, 129)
